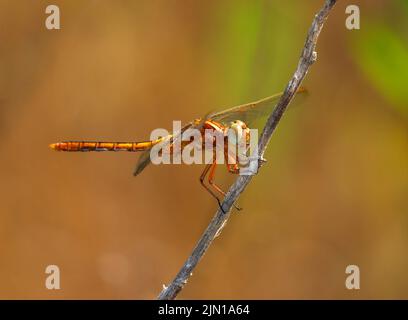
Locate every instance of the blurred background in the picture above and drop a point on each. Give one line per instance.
(333, 193)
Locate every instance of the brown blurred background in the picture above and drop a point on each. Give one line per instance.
(333, 193)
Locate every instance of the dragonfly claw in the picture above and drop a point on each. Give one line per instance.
(262, 161)
(220, 205)
(222, 209)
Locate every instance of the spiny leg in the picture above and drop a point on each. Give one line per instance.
(202, 178)
(215, 186)
(211, 179)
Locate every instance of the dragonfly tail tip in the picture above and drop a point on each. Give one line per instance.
(54, 146)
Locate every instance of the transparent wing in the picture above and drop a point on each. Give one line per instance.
(142, 162)
(250, 113)
(145, 157)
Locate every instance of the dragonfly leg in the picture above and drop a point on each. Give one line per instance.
(211, 179)
(215, 186)
(202, 178)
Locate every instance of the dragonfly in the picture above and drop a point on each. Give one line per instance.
(238, 119)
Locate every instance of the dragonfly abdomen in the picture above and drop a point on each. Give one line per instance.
(84, 146)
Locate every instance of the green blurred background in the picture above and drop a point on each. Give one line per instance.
(333, 193)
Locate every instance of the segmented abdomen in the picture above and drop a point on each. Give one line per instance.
(83, 146)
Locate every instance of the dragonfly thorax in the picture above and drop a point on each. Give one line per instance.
(238, 132)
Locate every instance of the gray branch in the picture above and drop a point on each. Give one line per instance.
(307, 58)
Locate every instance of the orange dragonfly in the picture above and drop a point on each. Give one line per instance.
(238, 119)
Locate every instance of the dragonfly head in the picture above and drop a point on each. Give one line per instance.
(240, 132)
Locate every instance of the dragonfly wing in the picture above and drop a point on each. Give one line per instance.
(145, 158)
(251, 112)
(142, 162)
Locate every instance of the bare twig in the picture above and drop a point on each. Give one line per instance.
(307, 58)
